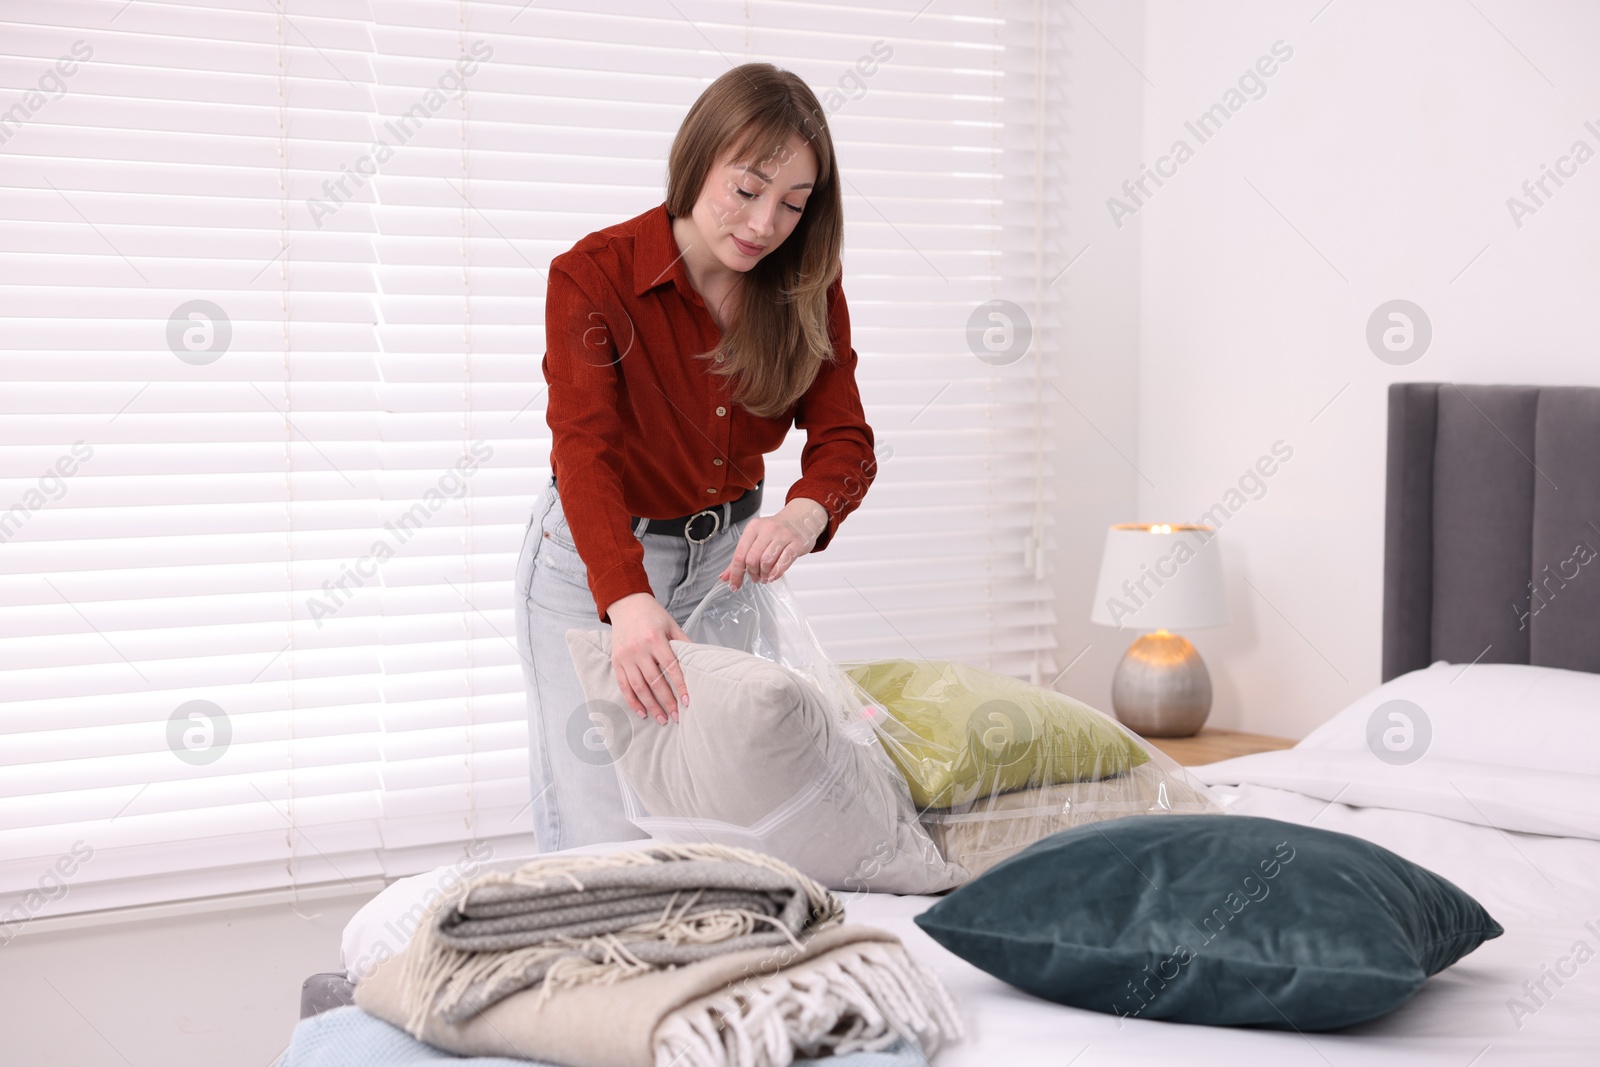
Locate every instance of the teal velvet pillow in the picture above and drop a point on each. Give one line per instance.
(1227, 920)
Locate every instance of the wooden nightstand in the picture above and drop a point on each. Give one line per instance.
(1209, 746)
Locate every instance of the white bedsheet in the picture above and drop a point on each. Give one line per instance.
(1545, 891)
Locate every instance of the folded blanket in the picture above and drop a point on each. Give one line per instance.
(695, 955)
(560, 921)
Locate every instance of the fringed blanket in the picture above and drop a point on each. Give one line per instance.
(694, 955)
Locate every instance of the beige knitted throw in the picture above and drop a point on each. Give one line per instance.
(750, 969)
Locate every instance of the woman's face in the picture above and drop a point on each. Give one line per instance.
(748, 208)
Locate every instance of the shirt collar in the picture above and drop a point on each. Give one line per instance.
(656, 257)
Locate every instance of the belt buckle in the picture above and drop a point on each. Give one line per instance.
(716, 524)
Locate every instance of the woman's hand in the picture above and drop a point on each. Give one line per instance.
(769, 545)
(647, 670)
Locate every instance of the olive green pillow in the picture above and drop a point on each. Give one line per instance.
(961, 734)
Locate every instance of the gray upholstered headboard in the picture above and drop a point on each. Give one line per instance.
(1492, 539)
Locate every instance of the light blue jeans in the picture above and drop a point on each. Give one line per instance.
(576, 799)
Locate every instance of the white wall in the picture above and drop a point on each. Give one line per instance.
(1097, 304)
(1387, 146)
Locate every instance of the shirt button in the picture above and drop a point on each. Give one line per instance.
(722, 411)
(716, 463)
(711, 490)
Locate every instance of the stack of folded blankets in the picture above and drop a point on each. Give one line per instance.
(689, 955)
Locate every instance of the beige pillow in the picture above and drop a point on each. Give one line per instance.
(758, 759)
(999, 827)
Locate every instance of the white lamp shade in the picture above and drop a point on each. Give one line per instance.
(1160, 577)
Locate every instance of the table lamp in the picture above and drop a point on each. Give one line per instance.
(1161, 577)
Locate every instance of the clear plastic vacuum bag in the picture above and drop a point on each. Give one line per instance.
(787, 761)
(926, 772)
(995, 763)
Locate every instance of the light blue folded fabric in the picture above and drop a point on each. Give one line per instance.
(349, 1037)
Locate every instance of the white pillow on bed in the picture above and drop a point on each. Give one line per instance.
(1511, 714)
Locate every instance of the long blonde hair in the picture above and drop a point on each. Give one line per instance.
(777, 339)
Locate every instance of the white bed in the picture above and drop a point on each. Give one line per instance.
(1542, 888)
(1459, 1018)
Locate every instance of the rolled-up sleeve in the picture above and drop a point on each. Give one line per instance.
(580, 368)
(837, 464)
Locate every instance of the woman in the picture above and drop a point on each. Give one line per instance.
(680, 347)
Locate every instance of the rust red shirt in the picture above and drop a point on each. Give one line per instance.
(642, 427)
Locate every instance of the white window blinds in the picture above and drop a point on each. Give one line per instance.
(273, 417)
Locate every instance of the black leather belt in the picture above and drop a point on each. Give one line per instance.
(706, 523)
